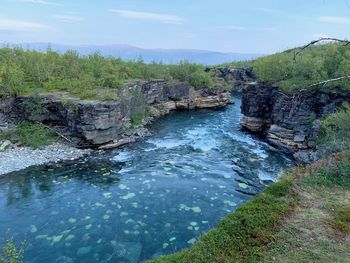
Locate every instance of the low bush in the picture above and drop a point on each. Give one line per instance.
(334, 132)
(333, 171)
(29, 134)
(315, 64)
(28, 72)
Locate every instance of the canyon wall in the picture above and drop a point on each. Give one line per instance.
(289, 122)
(114, 122)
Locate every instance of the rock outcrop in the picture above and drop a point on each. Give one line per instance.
(96, 123)
(232, 77)
(289, 122)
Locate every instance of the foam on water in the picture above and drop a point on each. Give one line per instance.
(123, 157)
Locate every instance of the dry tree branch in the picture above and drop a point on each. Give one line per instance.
(325, 82)
(55, 131)
(297, 53)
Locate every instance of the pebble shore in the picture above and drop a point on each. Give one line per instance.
(18, 158)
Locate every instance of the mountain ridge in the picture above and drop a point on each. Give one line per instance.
(129, 52)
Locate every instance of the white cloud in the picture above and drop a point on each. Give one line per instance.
(67, 18)
(231, 28)
(335, 19)
(41, 2)
(11, 24)
(268, 10)
(163, 18)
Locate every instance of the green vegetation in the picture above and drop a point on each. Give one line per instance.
(11, 254)
(315, 64)
(29, 134)
(239, 64)
(88, 77)
(334, 133)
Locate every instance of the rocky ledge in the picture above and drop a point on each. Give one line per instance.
(289, 122)
(107, 124)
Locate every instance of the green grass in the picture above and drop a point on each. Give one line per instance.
(29, 134)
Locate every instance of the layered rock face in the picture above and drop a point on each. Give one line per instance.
(236, 78)
(94, 123)
(289, 122)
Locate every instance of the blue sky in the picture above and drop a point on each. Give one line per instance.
(254, 26)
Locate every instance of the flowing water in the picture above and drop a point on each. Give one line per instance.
(147, 199)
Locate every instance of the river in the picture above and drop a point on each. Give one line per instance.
(147, 199)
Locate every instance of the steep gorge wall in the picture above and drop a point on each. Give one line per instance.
(96, 123)
(290, 122)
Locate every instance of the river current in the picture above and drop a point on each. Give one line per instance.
(147, 199)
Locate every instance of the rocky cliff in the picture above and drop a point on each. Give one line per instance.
(232, 77)
(289, 122)
(112, 123)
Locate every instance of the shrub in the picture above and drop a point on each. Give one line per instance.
(200, 80)
(27, 72)
(315, 64)
(29, 134)
(334, 171)
(334, 132)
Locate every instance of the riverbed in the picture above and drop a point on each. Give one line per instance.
(150, 198)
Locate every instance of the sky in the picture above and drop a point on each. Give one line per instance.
(254, 26)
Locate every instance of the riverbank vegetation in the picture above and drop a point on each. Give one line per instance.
(30, 135)
(315, 64)
(25, 72)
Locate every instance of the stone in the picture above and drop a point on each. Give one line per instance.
(4, 145)
(253, 124)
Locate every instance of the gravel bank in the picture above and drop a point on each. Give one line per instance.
(18, 158)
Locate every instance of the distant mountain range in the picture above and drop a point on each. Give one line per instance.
(167, 56)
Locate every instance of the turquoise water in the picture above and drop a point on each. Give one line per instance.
(147, 199)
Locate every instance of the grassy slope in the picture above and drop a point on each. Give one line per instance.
(305, 217)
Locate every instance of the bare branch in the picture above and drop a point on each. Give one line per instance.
(59, 134)
(325, 82)
(344, 41)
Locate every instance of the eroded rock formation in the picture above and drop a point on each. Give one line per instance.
(289, 122)
(96, 123)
